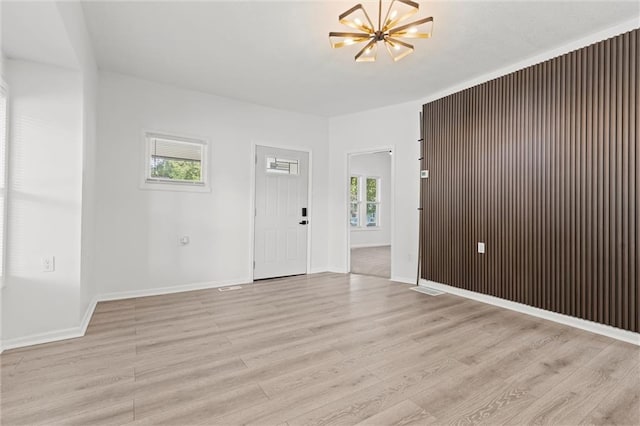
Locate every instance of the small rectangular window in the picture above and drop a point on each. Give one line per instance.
(175, 160)
(282, 166)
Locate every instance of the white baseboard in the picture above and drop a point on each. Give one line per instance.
(118, 295)
(594, 327)
(404, 280)
(53, 336)
(80, 330)
(88, 314)
(40, 338)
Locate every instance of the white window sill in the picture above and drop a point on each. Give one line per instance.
(175, 186)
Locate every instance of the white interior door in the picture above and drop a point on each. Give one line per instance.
(282, 217)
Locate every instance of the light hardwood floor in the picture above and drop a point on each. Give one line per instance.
(321, 349)
(371, 261)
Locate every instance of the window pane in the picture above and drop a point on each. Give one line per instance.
(175, 169)
(354, 188)
(372, 189)
(175, 160)
(372, 214)
(354, 219)
(282, 166)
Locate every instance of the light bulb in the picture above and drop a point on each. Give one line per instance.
(357, 21)
(394, 13)
(413, 30)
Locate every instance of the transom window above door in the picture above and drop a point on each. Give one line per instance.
(282, 166)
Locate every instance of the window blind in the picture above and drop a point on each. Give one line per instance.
(176, 150)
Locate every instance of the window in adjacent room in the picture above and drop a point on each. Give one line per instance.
(373, 201)
(354, 188)
(173, 162)
(365, 202)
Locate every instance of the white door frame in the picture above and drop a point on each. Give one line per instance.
(350, 154)
(252, 201)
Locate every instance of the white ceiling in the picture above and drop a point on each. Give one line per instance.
(278, 54)
(34, 31)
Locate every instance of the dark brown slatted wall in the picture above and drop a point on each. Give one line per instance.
(543, 166)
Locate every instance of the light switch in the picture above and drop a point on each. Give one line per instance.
(481, 248)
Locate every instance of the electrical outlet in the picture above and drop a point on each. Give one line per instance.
(481, 248)
(48, 264)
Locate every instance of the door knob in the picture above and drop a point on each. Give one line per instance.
(303, 222)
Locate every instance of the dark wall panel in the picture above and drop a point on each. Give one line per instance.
(542, 165)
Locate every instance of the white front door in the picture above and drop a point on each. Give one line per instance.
(282, 216)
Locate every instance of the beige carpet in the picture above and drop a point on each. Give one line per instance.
(371, 261)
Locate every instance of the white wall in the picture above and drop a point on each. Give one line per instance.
(396, 127)
(73, 19)
(44, 198)
(137, 230)
(2, 59)
(374, 165)
(52, 163)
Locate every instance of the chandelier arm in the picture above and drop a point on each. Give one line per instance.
(400, 42)
(409, 25)
(349, 39)
(392, 42)
(354, 35)
(342, 18)
(409, 3)
(391, 21)
(369, 45)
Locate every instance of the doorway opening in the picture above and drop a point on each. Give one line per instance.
(370, 213)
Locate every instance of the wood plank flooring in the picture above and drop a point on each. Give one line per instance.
(371, 261)
(320, 349)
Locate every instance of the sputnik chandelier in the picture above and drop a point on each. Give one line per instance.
(387, 31)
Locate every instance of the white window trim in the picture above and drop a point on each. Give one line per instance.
(148, 183)
(362, 204)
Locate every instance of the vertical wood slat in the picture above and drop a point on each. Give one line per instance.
(543, 166)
